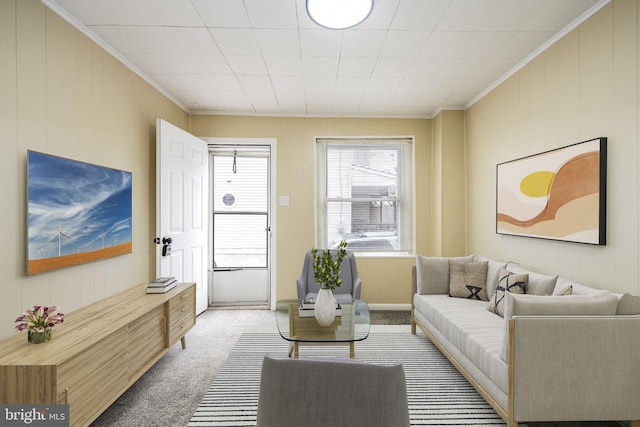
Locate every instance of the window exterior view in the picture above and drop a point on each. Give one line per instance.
(365, 197)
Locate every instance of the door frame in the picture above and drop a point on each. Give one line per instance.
(272, 143)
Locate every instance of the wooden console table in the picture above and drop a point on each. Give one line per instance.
(98, 352)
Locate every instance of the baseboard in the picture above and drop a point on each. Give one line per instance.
(390, 307)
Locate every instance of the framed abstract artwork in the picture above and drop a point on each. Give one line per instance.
(558, 194)
(77, 212)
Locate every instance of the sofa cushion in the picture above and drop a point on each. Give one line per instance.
(507, 282)
(493, 273)
(628, 304)
(600, 303)
(468, 280)
(539, 284)
(471, 329)
(566, 290)
(576, 288)
(432, 274)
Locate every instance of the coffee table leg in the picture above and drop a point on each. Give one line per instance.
(295, 350)
(352, 350)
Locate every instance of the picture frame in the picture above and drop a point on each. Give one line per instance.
(77, 212)
(558, 194)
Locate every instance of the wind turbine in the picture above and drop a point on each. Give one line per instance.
(60, 235)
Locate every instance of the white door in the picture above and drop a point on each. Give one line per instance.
(181, 211)
(241, 223)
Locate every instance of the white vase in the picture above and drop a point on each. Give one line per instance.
(325, 307)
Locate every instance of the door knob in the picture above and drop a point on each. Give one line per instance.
(166, 246)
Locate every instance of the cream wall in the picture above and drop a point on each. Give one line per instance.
(582, 87)
(386, 280)
(62, 94)
(448, 171)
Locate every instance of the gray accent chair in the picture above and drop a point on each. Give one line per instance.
(345, 294)
(331, 392)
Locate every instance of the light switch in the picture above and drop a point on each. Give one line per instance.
(284, 200)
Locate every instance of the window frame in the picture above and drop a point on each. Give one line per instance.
(406, 201)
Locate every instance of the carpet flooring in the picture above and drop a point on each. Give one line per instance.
(390, 317)
(438, 395)
(171, 391)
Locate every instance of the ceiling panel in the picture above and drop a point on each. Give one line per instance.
(175, 13)
(325, 66)
(320, 43)
(467, 15)
(284, 65)
(221, 13)
(410, 58)
(357, 66)
(403, 43)
(255, 83)
(251, 65)
(278, 42)
(192, 41)
(419, 14)
(236, 41)
(269, 14)
(516, 16)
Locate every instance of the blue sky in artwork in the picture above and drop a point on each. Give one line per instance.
(75, 207)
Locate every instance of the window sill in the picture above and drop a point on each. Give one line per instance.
(399, 255)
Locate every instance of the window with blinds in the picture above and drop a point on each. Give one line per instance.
(365, 194)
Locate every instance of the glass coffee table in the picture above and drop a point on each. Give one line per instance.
(351, 326)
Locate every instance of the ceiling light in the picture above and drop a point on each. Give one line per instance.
(339, 14)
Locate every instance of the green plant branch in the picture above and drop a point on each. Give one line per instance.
(326, 268)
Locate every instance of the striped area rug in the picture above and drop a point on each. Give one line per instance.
(438, 395)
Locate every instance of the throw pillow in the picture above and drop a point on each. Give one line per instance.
(507, 282)
(628, 304)
(563, 292)
(493, 272)
(468, 280)
(538, 284)
(576, 288)
(432, 274)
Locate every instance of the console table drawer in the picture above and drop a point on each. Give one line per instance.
(146, 339)
(181, 314)
(91, 379)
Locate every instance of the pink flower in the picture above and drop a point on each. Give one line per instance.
(39, 319)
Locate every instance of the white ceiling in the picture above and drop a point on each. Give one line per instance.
(411, 58)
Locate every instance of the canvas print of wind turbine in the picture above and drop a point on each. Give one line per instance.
(77, 212)
(558, 195)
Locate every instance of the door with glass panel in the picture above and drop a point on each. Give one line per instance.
(241, 230)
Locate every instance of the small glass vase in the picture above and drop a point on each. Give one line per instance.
(35, 337)
(325, 307)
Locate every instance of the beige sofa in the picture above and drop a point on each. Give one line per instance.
(560, 351)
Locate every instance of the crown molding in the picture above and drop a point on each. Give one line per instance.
(313, 116)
